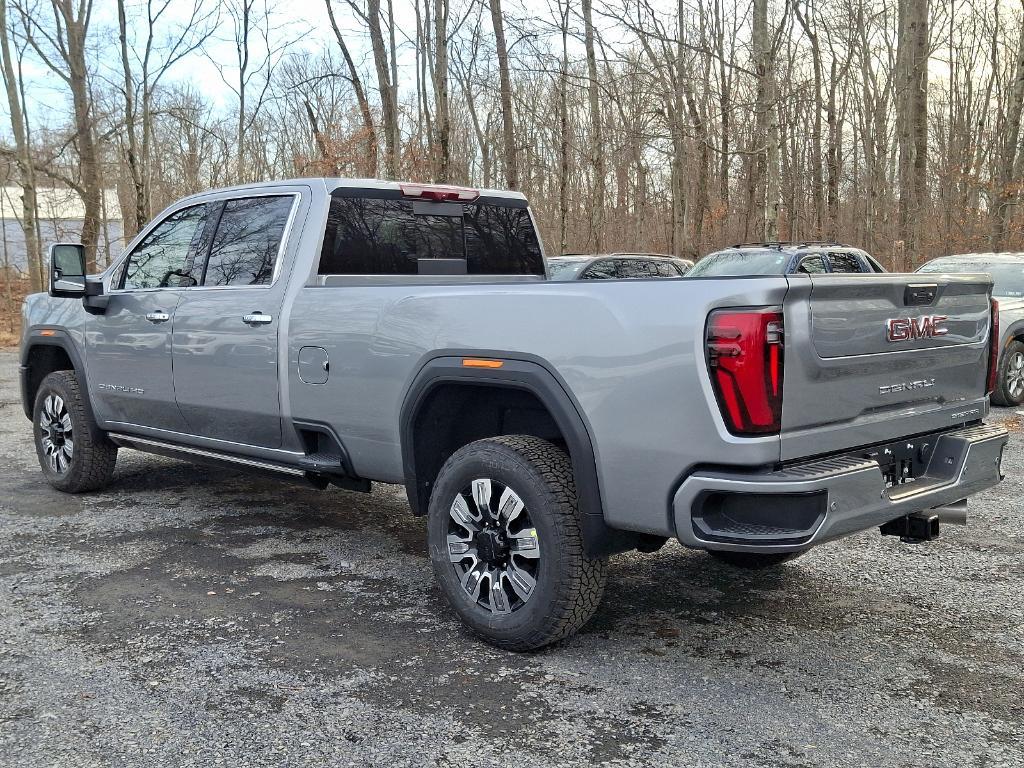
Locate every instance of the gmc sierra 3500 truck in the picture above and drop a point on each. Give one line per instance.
(347, 331)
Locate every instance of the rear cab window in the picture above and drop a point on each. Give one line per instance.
(380, 232)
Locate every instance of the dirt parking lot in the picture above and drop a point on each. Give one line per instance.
(193, 617)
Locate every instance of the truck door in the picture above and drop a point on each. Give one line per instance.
(129, 346)
(225, 342)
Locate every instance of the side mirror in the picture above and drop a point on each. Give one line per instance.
(67, 270)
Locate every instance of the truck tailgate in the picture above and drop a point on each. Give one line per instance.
(872, 358)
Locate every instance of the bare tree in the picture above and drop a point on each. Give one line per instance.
(597, 149)
(360, 93)
(386, 85)
(442, 115)
(62, 48)
(26, 171)
(505, 89)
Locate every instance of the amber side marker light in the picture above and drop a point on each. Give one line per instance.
(471, 362)
(47, 333)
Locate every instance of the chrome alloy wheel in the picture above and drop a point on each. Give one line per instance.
(1015, 375)
(56, 433)
(493, 546)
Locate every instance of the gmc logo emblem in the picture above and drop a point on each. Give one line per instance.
(910, 328)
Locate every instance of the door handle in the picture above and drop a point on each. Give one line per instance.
(158, 317)
(257, 318)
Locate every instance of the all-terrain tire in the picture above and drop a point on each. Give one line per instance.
(569, 585)
(1009, 389)
(92, 458)
(753, 561)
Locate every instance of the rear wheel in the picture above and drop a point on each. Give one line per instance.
(506, 544)
(1010, 386)
(73, 454)
(753, 561)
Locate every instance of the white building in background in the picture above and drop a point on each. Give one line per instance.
(60, 213)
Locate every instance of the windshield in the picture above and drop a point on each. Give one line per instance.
(564, 269)
(746, 262)
(1007, 276)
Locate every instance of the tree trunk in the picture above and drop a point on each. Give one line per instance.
(442, 113)
(817, 171)
(912, 125)
(1008, 178)
(78, 78)
(766, 188)
(139, 213)
(243, 66)
(507, 123)
(26, 172)
(357, 86)
(563, 135)
(389, 109)
(596, 138)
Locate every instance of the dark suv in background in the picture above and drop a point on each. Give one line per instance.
(785, 259)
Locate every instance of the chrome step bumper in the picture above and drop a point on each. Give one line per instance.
(806, 504)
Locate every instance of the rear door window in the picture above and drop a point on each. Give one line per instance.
(607, 269)
(638, 269)
(389, 236)
(846, 263)
(812, 265)
(245, 247)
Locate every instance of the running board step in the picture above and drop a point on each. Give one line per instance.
(215, 458)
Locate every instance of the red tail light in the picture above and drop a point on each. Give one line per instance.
(745, 359)
(993, 350)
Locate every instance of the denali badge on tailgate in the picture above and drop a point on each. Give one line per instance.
(909, 328)
(905, 386)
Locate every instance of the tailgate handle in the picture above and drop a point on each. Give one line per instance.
(919, 294)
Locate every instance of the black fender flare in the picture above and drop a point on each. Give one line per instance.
(54, 338)
(534, 377)
(1014, 331)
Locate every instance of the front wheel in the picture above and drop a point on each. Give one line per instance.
(73, 454)
(1010, 386)
(506, 545)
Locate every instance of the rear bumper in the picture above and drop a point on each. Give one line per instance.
(803, 505)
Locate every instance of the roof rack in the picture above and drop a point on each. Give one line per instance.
(786, 243)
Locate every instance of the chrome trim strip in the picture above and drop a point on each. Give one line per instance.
(130, 441)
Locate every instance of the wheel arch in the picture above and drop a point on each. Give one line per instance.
(512, 382)
(44, 354)
(1015, 332)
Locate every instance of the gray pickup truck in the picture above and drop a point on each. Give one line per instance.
(340, 332)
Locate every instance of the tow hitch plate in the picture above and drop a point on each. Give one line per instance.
(903, 461)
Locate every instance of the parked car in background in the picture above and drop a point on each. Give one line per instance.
(785, 259)
(1007, 271)
(615, 266)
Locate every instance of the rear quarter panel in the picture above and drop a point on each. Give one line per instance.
(629, 353)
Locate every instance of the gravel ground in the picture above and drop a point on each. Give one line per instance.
(194, 617)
